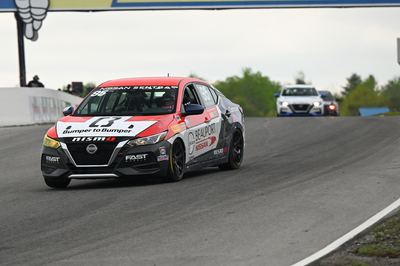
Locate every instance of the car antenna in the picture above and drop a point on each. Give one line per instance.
(167, 74)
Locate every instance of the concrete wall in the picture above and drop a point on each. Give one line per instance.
(27, 106)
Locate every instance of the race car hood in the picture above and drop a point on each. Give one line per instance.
(300, 99)
(121, 126)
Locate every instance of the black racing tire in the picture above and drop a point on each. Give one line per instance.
(236, 151)
(176, 168)
(57, 183)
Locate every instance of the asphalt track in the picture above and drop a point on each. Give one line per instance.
(304, 183)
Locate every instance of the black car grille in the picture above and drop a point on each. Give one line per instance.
(100, 157)
(300, 107)
(92, 170)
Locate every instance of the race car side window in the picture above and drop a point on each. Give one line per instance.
(205, 95)
(214, 95)
(189, 95)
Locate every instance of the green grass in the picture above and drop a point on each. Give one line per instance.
(386, 242)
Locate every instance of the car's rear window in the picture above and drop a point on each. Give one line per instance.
(299, 92)
(129, 101)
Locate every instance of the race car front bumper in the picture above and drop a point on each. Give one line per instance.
(109, 161)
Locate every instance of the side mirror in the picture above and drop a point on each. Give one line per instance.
(323, 95)
(338, 99)
(68, 110)
(193, 109)
(276, 95)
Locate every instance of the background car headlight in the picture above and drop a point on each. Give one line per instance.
(51, 143)
(284, 104)
(148, 140)
(317, 104)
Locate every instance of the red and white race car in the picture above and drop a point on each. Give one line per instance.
(144, 126)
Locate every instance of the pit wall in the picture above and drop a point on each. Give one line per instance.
(29, 106)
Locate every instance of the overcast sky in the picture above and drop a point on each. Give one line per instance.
(327, 45)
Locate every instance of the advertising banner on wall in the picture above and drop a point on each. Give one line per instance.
(109, 5)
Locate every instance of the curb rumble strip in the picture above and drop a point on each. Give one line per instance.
(350, 235)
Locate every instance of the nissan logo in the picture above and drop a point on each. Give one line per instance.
(91, 148)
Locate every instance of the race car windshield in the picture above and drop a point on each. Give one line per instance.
(300, 92)
(129, 101)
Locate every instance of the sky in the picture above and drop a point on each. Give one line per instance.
(328, 45)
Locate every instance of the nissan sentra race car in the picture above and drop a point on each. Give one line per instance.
(161, 127)
(299, 100)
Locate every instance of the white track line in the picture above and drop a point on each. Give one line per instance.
(336, 244)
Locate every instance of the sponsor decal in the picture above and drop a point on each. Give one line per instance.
(219, 151)
(176, 128)
(205, 143)
(102, 126)
(187, 122)
(213, 114)
(178, 118)
(196, 137)
(80, 139)
(163, 154)
(52, 160)
(135, 158)
(183, 126)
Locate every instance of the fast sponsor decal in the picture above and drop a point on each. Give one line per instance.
(163, 154)
(52, 160)
(135, 158)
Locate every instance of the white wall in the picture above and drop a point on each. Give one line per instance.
(27, 106)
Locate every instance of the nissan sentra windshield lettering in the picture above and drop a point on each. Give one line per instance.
(129, 101)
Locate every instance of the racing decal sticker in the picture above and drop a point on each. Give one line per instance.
(212, 112)
(102, 126)
(52, 160)
(176, 128)
(163, 155)
(135, 158)
(202, 137)
(82, 139)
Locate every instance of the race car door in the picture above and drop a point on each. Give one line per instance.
(203, 130)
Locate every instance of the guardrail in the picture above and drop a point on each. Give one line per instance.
(29, 106)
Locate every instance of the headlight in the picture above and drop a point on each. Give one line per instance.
(51, 143)
(148, 140)
(317, 104)
(284, 104)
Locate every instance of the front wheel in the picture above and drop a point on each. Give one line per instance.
(236, 150)
(176, 167)
(57, 183)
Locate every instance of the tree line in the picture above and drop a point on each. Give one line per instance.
(255, 93)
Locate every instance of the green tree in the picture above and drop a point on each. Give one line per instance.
(352, 83)
(391, 94)
(365, 94)
(254, 92)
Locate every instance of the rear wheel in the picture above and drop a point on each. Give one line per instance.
(236, 149)
(176, 167)
(57, 183)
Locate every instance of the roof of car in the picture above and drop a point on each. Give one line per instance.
(298, 86)
(149, 81)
